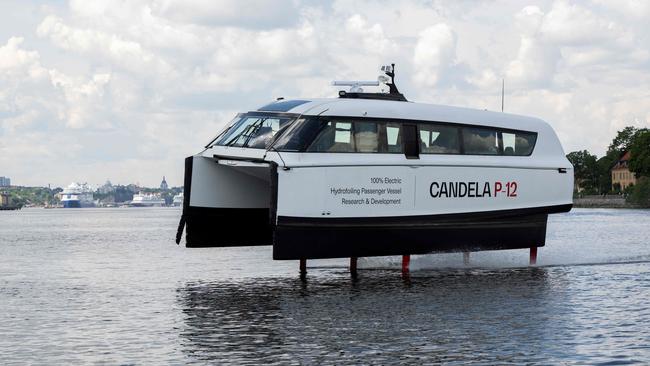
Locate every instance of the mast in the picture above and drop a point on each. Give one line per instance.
(503, 87)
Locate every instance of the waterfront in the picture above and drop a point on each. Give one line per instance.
(93, 285)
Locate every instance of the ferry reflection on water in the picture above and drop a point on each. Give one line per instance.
(468, 316)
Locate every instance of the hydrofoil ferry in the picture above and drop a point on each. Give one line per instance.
(372, 174)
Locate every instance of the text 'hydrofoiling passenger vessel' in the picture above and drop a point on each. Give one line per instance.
(371, 174)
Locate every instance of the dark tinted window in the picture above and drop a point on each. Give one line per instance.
(438, 139)
(518, 143)
(481, 141)
(358, 136)
(316, 134)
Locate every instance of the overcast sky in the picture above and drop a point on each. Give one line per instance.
(124, 90)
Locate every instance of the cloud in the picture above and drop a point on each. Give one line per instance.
(15, 61)
(100, 89)
(253, 14)
(434, 54)
(125, 53)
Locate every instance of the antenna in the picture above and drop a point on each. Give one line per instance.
(355, 86)
(357, 92)
(390, 71)
(503, 88)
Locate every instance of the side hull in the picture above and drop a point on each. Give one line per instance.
(297, 238)
(77, 204)
(225, 206)
(71, 204)
(227, 227)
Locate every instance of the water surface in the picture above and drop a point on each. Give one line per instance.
(109, 286)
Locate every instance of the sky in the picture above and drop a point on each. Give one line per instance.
(125, 90)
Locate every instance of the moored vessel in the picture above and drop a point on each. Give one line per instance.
(147, 200)
(77, 195)
(177, 201)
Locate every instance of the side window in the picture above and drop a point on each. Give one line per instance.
(366, 138)
(343, 132)
(357, 136)
(393, 138)
(334, 137)
(481, 141)
(518, 143)
(438, 139)
(338, 136)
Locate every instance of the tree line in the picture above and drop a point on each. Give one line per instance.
(593, 175)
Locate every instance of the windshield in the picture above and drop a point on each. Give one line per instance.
(253, 131)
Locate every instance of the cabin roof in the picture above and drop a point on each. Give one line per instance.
(405, 110)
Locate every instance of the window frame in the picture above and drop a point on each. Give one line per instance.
(293, 117)
(459, 131)
(402, 121)
(381, 134)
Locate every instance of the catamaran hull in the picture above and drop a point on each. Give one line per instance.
(297, 238)
(244, 205)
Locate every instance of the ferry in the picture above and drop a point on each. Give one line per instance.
(177, 201)
(77, 195)
(147, 200)
(372, 174)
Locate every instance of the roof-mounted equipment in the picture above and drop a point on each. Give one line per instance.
(356, 92)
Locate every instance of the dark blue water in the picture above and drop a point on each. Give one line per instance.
(109, 286)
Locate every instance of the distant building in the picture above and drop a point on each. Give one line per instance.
(4, 199)
(5, 182)
(163, 184)
(622, 177)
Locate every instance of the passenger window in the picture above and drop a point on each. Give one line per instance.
(438, 139)
(508, 143)
(518, 143)
(366, 137)
(481, 141)
(393, 138)
(335, 137)
(343, 132)
(359, 136)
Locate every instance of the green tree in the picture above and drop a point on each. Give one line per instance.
(620, 144)
(585, 170)
(640, 194)
(640, 154)
(605, 165)
(623, 140)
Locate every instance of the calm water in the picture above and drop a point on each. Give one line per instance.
(110, 286)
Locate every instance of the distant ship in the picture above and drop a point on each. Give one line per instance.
(147, 200)
(178, 200)
(77, 196)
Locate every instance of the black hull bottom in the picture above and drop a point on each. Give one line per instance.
(312, 238)
(325, 241)
(227, 227)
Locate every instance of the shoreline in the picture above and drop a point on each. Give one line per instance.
(602, 202)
